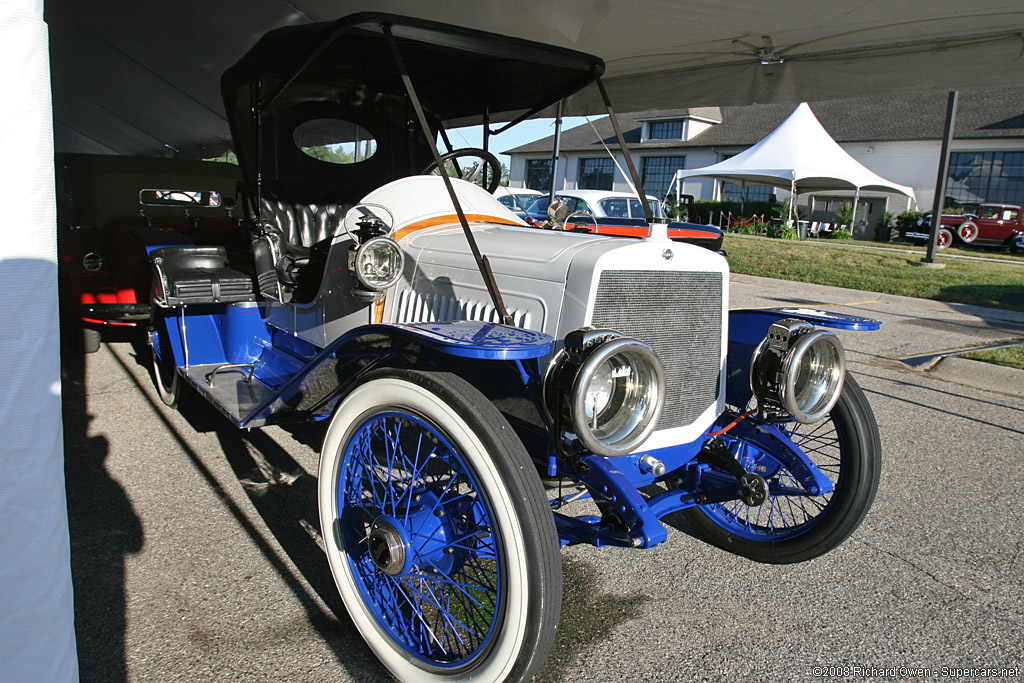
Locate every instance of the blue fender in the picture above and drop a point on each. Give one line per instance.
(314, 389)
(747, 327)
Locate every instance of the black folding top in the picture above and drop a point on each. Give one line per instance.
(459, 75)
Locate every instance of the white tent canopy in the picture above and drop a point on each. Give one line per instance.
(800, 155)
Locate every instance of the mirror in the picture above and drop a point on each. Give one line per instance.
(205, 198)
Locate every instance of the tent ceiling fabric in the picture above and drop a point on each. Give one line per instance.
(799, 151)
(141, 78)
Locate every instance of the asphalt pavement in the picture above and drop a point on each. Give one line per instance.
(195, 548)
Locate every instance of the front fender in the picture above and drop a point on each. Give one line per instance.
(313, 391)
(747, 327)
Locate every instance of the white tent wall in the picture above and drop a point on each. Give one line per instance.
(37, 638)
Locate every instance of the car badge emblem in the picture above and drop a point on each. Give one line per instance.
(667, 254)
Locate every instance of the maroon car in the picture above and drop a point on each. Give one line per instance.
(104, 203)
(995, 225)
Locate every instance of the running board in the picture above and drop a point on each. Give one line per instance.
(230, 388)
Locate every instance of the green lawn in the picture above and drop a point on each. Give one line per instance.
(984, 252)
(980, 283)
(1010, 356)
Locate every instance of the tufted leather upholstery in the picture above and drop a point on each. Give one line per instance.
(303, 224)
(288, 228)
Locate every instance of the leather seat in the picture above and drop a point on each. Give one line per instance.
(286, 262)
(197, 275)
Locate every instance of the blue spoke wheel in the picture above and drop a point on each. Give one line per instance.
(437, 531)
(792, 527)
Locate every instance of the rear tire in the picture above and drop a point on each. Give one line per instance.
(90, 340)
(784, 529)
(967, 232)
(165, 374)
(437, 531)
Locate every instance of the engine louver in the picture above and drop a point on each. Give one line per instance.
(415, 307)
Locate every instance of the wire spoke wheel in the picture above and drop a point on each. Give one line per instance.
(791, 526)
(422, 542)
(443, 568)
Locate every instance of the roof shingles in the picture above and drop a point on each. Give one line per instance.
(919, 116)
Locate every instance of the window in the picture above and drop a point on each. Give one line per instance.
(335, 141)
(538, 174)
(976, 177)
(615, 208)
(658, 173)
(665, 130)
(621, 207)
(732, 192)
(596, 174)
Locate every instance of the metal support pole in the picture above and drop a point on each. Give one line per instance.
(556, 153)
(940, 182)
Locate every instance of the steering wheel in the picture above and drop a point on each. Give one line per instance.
(574, 221)
(473, 173)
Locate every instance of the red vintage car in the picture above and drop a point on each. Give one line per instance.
(104, 204)
(994, 225)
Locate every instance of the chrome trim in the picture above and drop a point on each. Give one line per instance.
(638, 429)
(231, 366)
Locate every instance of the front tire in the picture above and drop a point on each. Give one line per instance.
(846, 446)
(437, 531)
(944, 239)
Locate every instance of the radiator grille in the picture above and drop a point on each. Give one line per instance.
(680, 315)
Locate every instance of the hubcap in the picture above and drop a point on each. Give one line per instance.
(386, 546)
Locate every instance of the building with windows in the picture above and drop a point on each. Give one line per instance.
(897, 137)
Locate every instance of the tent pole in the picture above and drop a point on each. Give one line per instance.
(679, 196)
(853, 216)
(792, 201)
(940, 182)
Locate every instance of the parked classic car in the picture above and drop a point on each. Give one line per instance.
(517, 200)
(459, 356)
(102, 201)
(994, 225)
(604, 212)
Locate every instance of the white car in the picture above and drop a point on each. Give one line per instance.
(516, 199)
(601, 204)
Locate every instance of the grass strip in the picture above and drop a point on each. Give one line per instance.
(979, 283)
(1010, 356)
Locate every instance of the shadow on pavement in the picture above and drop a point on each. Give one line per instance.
(104, 529)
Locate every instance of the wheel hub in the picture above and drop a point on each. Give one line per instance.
(387, 546)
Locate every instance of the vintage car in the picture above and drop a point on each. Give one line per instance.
(103, 202)
(491, 391)
(605, 212)
(993, 225)
(517, 199)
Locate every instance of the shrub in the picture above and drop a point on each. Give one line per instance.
(844, 216)
(882, 229)
(842, 234)
(706, 208)
(788, 232)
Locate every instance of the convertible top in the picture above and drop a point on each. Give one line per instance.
(346, 70)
